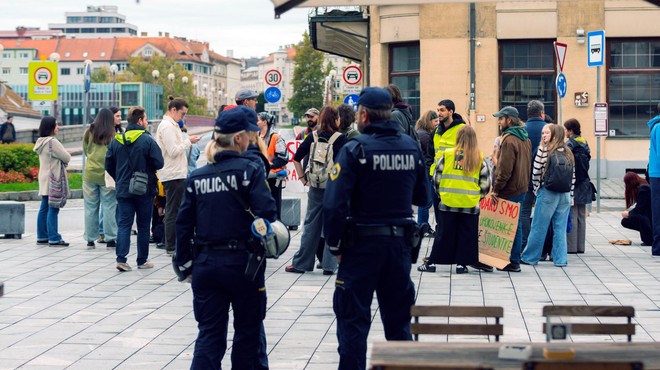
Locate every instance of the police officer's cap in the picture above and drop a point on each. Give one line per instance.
(375, 98)
(235, 120)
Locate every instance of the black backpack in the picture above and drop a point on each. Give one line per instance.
(558, 173)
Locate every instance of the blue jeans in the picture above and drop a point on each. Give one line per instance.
(550, 207)
(516, 248)
(47, 222)
(655, 216)
(526, 215)
(97, 196)
(423, 212)
(138, 208)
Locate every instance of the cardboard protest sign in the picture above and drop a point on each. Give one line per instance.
(498, 222)
(293, 184)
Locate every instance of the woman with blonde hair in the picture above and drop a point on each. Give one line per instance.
(462, 179)
(553, 178)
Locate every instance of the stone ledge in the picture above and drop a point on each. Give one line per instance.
(33, 195)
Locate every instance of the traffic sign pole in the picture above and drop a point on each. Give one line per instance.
(598, 145)
(596, 58)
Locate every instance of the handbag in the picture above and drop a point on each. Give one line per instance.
(58, 186)
(139, 183)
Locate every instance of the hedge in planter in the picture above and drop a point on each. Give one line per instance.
(18, 163)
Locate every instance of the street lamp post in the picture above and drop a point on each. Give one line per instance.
(87, 81)
(155, 74)
(55, 57)
(114, 69)
(170, 77)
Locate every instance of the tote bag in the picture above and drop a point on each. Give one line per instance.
(58, 186)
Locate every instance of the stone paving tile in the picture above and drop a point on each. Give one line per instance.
(70, 308)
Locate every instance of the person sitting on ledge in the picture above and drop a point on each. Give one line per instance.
(637, 215)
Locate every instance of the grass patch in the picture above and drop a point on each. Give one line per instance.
(75, 182)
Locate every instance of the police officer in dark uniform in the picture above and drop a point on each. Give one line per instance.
(372, 237)
(216, 264)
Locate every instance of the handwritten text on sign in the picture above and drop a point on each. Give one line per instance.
(498, 222)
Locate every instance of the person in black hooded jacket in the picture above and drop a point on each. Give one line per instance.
(131, 151)
(402, 113)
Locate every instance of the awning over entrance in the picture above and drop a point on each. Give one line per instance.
(341, 33)
(282, 6)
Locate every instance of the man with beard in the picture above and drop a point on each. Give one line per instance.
(312, 117)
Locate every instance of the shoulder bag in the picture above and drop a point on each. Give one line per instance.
(58, 186)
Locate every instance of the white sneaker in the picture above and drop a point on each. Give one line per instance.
(123, 267)
(146, 265)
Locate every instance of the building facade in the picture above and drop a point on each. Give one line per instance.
(491, 54)
(71, 104)
(97, 21)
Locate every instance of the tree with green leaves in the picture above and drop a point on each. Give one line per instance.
(139, 70)
(308, 77)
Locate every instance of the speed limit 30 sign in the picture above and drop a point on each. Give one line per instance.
(273, 77)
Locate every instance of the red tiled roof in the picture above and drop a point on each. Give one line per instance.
(213, 55)
(43, 47)
(97, 49)
(172, 47)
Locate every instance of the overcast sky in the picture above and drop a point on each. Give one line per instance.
(246, 26)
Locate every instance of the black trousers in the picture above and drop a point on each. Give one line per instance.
(174, 190)
(641, 224)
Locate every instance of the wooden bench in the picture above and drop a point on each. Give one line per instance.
(582, 365)
(448, 366)
(627, 312)
(495, 329)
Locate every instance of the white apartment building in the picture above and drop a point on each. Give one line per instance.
(98, 21)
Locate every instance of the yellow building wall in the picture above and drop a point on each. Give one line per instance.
(442, 30)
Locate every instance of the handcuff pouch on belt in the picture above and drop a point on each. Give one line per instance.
(414, 239)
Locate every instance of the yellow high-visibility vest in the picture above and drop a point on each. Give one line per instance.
(443, 142)
(456, 189)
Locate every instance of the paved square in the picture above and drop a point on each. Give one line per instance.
(68, 308)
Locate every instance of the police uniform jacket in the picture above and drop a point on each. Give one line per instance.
(211, 214)
(376, 179)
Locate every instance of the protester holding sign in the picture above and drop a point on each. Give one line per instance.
(553, 178)
(462, 178)
(512, 173)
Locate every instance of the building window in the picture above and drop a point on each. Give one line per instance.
(107, 20)
(73, 19)
(404, 73)
(527, 72)
(119, 30)
(6, 70)
(148, 52)
(23, 70)
(89, 19)
(633, 84)
(6, 55)
(24, 55)
(80, 70)
(65, 71)
(73, 30)
(102, 30)
(86, 30)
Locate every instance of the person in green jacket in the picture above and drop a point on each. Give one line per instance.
(96, 191)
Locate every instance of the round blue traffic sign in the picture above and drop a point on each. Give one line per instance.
(561, 84)
(273, 94)
(352, 100)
